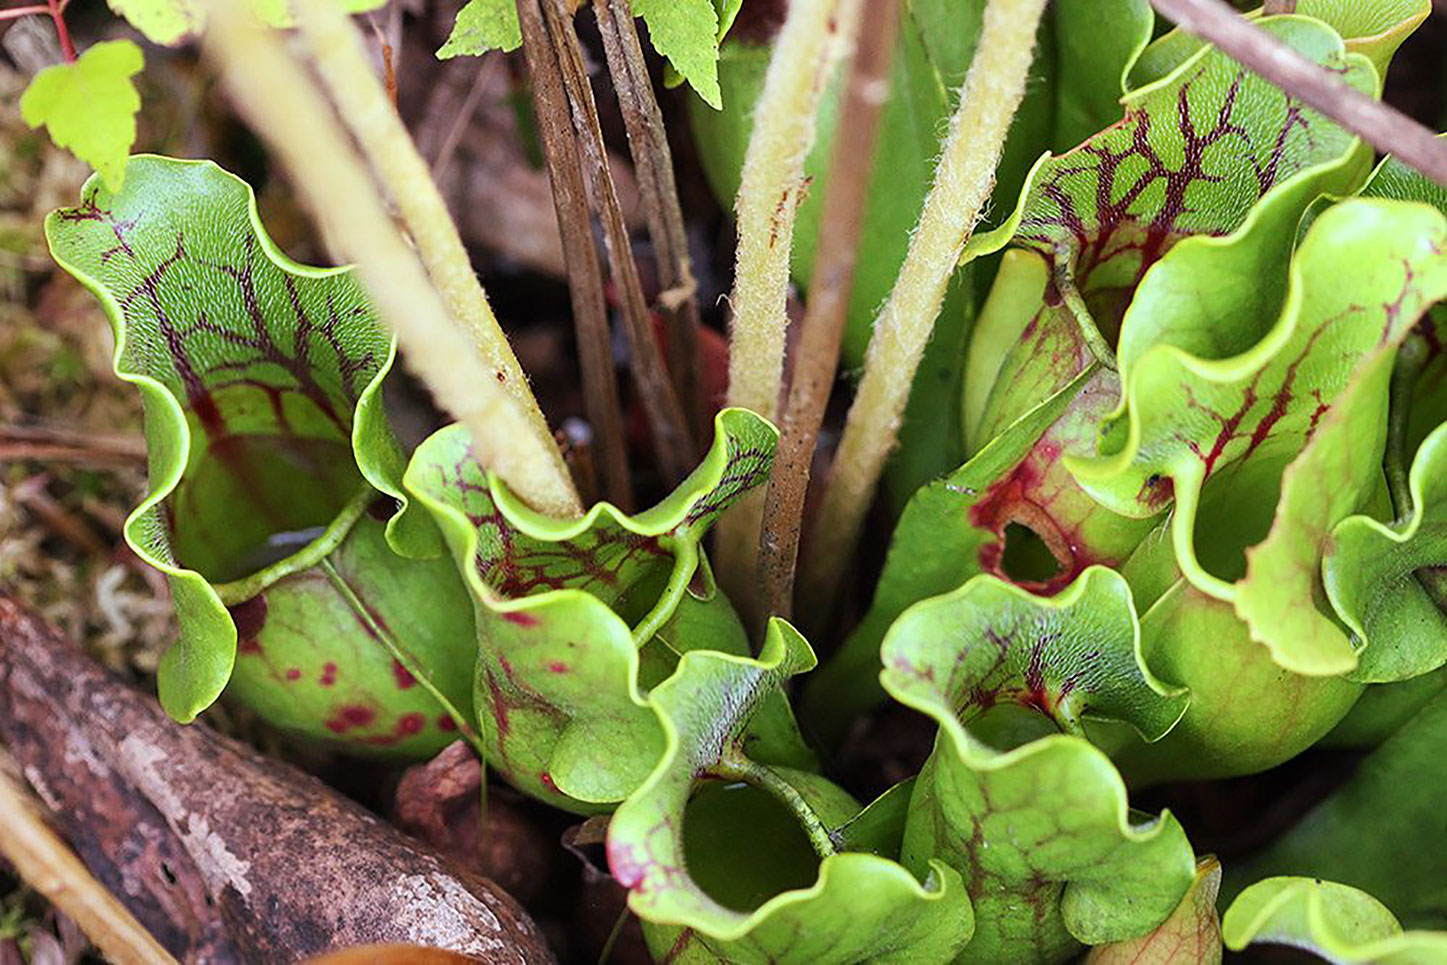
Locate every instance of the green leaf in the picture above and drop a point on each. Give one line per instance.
(1192, 933)
(849, 907)
(89, 106)
(1186, 418)
(483, 25)
(1247, 713)
(1050, 852)
(1014, 491)
(261, 383)
(1340, 465)
(569, 613)
(1338, 923)
(1384, 830)
(172, 22)
(1379, 577)
(687, 33)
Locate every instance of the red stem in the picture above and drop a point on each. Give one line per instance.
(15, 13)
(56, 9)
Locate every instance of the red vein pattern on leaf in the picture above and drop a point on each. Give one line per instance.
(747, 467)
(199, 386)
(1231, 426)
(1131, 220)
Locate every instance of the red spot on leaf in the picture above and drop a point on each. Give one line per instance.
(349, 716)
(409, 724)
(445, 722)
(547, 781)
(329, 674)
(557, 666)
(293, 673)
(250, 618)
(520, 619)
(403, 677)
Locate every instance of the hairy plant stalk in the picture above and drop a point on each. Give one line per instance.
(47, 864)
(963, 181)
(823, 324)
(580, 256)
(1381, 125)
(653, 164)
(672, 439)
(287, 109)
(815, 35)
(369, 112)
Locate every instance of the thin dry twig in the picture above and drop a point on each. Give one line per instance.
(48, 865)
(823, 325)
(653, 163)
(585, 274)
(492, 65)
(672, 440)
(52, 445)
(1381, 125)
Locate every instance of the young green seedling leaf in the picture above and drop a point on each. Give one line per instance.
(261, 383)
(685, 32)
(1338, 923)
(89, 106)
(1192, 933)
(483, 25)
(849, 907)
(568, 611)
(1051, 855)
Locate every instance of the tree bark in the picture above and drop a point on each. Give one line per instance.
(223, 855)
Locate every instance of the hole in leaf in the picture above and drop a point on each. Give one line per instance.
(743, 847)
(249, 501)
(1027, 558)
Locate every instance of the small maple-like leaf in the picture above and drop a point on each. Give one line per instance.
(89, 106)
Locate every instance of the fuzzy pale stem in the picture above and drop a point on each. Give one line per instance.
(285, 107)
(814, 36)
(964, 178)
(336, 48)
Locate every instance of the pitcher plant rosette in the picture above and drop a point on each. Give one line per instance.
(1169, 505)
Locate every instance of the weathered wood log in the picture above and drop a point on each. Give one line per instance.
(224, 855)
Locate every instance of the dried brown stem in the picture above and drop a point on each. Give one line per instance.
(585, 273)
(823, 325)
(653, 163)
(1273, 8)
(1382, 126)
(48, 865)
(672, 440)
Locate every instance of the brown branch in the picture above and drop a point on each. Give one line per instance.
(823, 325)
(226, 856)
(672, 440)
(1274, 8)
(653, 163)
(1379, 124)
(48, 865)
(585, 273)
